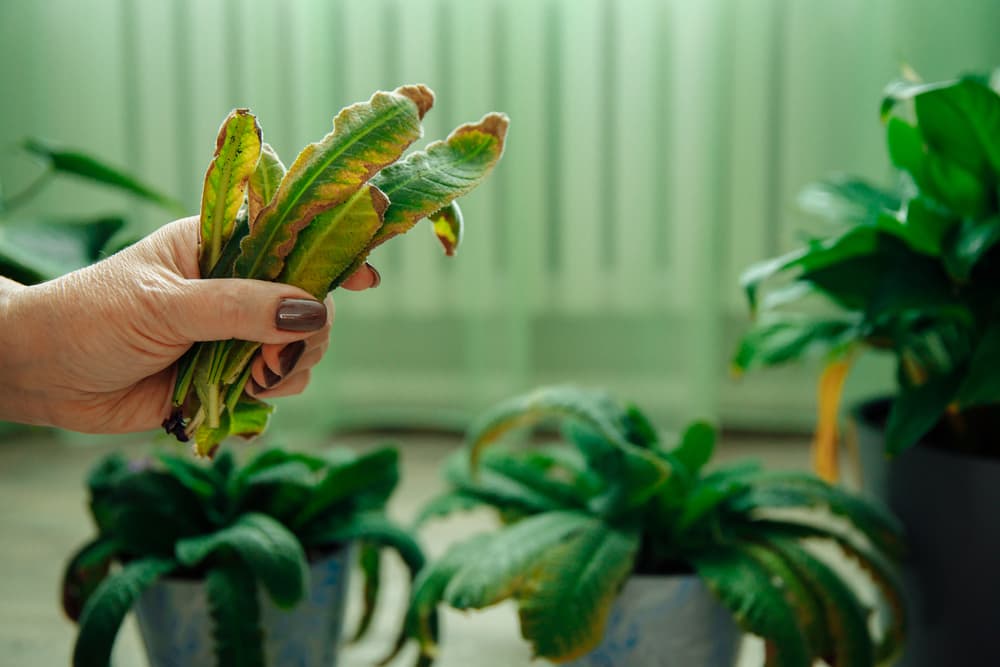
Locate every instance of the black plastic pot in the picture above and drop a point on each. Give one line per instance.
(948, 504)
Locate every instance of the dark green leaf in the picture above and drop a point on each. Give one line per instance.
(273, 554)
(565, 600)
(33, 251)
(981, 384)
(370, 562)
(150, 510)
(85, 571)
(918, 408)
(696, 446)
(231, 590)
(748, 590)
(783, 338)
(971, 240)
(445, 504)
(961, 121)
(106, 608)
(372, 472)
(90, 168)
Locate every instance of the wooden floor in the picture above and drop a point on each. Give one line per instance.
(43, 518)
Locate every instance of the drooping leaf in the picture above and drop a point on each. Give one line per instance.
(231, 591)
(971, 240)
(237, 150)
(445, 504)
(846, 617)
(982, 383)
(826, 439)
(789, 337)
(151, 510)
(370, 562)
(196, 476)
(33, 251)
(429, 588)
(84, 572)
(264, 181)
(502, 570)
(565, 601)
(375, 470)
(802, 593)
(106, 609)
(918, 407)
(449, 226)
(85, 166)
(365, 137)
(429, 180)
(747, 589)
(268, 548)
(330, 245)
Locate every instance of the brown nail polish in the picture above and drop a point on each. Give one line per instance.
(290, 355)
(377, 277)
(300, 315)
(270, 378)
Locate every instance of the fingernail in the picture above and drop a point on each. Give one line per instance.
(270, 378)
(300, 315)
(376, 276)
(290, 355)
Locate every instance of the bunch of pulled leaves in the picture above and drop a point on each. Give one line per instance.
(314, 224)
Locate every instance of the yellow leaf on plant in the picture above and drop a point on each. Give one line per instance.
(825, 441)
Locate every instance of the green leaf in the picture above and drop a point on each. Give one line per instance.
(106, 609)
(503, 570)
(961, 121)
(429, 180)
(365, 137)
(85, 571)
(429, 588)
(843, 198)
(90, 168)
(376, 470)
(264, 180)
(747, 589)
(370, 562)
(565, 600)
(196, 476)
(445, 504)
(150, 510)
(331, 244)
(272, 552)
(846, 617)
(787, 337)
(971, 240)
(696, 446)
(917, 408)
(33, 251)
(981, 385)
(449, 226)
(803, 594)
(231, 590)
(237, 150)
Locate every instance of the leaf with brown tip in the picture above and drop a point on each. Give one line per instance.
(365, 137)
(237, 150)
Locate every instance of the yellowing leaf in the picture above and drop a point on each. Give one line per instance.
(831, 387)
(264, 181)
(365, 137)
(330, 244)
(448, 227)
(237, 150)
(427, 181)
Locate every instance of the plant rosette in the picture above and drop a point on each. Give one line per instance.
(313, 224)
(232, 566)
(586, 521)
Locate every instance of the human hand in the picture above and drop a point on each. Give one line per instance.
(94, 350)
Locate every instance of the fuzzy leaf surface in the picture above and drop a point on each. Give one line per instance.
(264, 181)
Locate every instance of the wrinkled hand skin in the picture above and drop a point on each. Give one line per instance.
(94, 350)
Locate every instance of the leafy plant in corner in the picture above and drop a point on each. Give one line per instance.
(613, 499)
(237, 528)
(912, 272)
(314, 224)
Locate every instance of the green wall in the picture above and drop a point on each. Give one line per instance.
(655, 150)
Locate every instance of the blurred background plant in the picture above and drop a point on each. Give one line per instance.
(657, 149)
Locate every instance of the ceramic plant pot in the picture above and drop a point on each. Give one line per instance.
(665, 621)
(947, 503)
(177, 630)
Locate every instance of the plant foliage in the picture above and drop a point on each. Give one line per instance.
(911, 271)
(613, 499)
(236, 527)
(313, 224)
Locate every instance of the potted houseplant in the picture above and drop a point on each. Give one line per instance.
(619, 548)
(231, 565)
(912, 271)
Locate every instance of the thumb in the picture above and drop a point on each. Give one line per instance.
(254, 310)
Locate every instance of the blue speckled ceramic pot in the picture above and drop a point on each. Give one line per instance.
(666, 622)
(176, 628)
